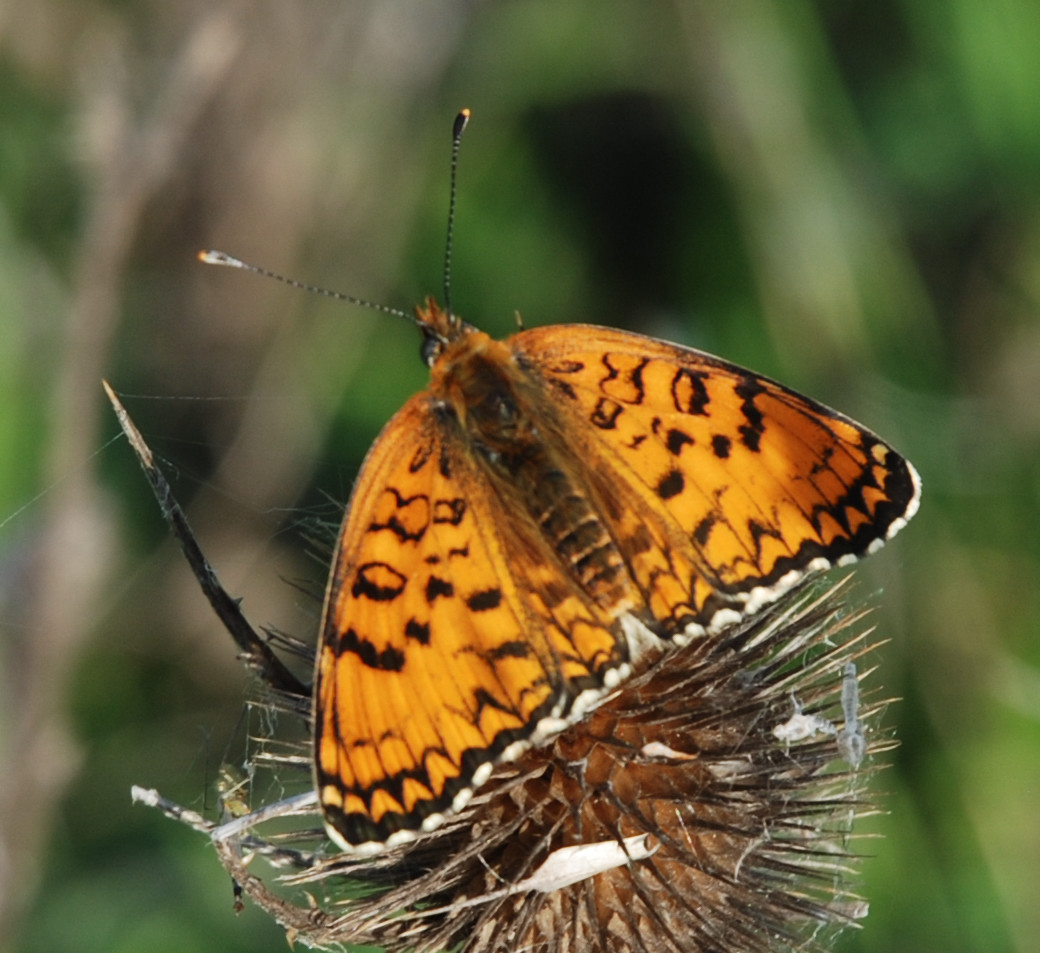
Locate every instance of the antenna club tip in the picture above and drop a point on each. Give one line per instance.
(209, 257)
(461, 121)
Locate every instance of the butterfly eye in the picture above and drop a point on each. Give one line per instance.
(430, 349)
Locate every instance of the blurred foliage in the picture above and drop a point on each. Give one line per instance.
(842, 195)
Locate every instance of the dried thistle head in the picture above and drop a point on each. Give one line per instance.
(707, 805)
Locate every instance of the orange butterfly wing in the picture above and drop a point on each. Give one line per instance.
(449, 636)
(763, 484)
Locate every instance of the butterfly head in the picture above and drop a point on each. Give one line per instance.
(440, 328)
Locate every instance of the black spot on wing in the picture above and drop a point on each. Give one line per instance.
(378, 582)
(721, 445)
(760, 531)
(670, 485)
(484, 600)
(437, 588)
(419, 631)
(444, 462)
(747, 389)
(624, 380)
(387, 660)
(703, 529)
(689, 393)
(675, 440)
(750, 437)
(635, 380)
(484, 699)
(420, 457)
(606, 413)
(515, 648)
(415, 510)
(449, 511)
(566, 367)
(563, 388)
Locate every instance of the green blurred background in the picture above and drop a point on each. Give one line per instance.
(843, 195)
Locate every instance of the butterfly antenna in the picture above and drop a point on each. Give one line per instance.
(461, 121)
(228, 261)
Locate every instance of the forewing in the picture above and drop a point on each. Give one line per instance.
(729, 486)
(448, 637)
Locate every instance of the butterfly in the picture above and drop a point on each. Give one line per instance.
(554, 508)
